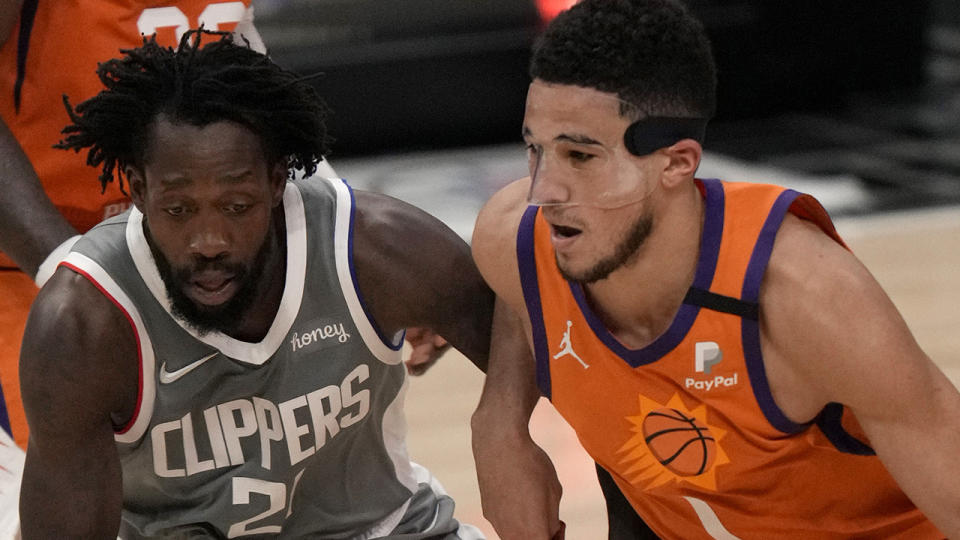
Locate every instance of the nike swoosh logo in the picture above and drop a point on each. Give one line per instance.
(167, 377)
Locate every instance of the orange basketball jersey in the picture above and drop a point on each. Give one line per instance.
(687, 425)
(54, 51)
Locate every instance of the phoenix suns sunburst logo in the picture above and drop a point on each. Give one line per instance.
(672, 443)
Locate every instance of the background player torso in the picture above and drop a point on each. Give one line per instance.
(734, 465)
(66, 41)
(301, 433)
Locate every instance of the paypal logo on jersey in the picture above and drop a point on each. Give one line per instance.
(706, 355)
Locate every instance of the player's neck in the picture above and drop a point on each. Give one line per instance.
(639, 301)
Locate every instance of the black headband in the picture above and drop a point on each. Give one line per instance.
(655, 132)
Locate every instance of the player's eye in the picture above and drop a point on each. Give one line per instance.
(533, 150)
(236, 208)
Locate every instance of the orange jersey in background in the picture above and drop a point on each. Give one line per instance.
(66, 41)
(54, 52)
(687, 425)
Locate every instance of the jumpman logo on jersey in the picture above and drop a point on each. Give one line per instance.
(567, 348)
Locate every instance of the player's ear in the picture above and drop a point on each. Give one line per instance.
(684, 158)
(137, 184)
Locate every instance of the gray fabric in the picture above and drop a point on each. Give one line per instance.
(427, 512)
(306, 425)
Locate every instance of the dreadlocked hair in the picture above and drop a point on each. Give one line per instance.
(199, 86)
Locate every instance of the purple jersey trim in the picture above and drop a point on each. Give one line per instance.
(687, 314)
(28, 12)
(830, 422)
(4, 419)
(356, 285)
(527, 264)
(750, 330)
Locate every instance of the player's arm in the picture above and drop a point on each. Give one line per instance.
(413, 271)
(79, 377)
(842, 340)
(519, 489)
(31, 228)
(9, 15)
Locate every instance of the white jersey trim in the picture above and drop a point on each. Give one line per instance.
(394, 432)
(711, 523)
(242, 351)
(385, 525)
(385, 352)
(100, 278)
(11, 475)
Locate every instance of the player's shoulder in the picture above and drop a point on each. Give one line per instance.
(498, 221)
(78, 315)
(381, 220)
(813, 281)
(76, 328)
(495, 237)
(804, 251)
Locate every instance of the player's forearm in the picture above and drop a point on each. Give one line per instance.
(470, 328)
(9, 15)
(30, 226)
(53, 507)
(519, 489)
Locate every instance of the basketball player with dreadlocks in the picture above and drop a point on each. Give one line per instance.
(39, 219)
(726, 361)
(222, 360)
(40, 61)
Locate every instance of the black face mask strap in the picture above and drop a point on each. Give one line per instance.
(653, 133)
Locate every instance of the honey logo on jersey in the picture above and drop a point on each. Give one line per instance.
(321, 335)
(707, 354)
(672, 443)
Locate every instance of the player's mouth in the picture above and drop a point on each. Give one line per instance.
(562, 235)
(212, 288)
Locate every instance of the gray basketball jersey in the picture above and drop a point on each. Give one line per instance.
(299, 435)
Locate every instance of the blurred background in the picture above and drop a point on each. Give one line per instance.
(864, 94)
(861, 87)
(856, 102)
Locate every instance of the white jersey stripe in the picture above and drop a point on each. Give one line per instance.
(99, 277)
(387, 353)
(711, 523)
(250, 353)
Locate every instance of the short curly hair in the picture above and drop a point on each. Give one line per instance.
(653, 54)
(222, 80)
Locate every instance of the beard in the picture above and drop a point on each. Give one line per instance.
(625, 251)
(224, 317)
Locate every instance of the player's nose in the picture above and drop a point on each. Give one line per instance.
(547, 186)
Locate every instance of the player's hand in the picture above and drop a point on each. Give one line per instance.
(519, 489)
(426, 347)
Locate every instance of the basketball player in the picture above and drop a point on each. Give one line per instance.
(222, 360)
(50, 49)
(742, 374)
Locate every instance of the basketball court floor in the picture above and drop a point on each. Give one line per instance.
(914, 252)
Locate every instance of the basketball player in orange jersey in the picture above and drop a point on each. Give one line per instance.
(718, 350)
